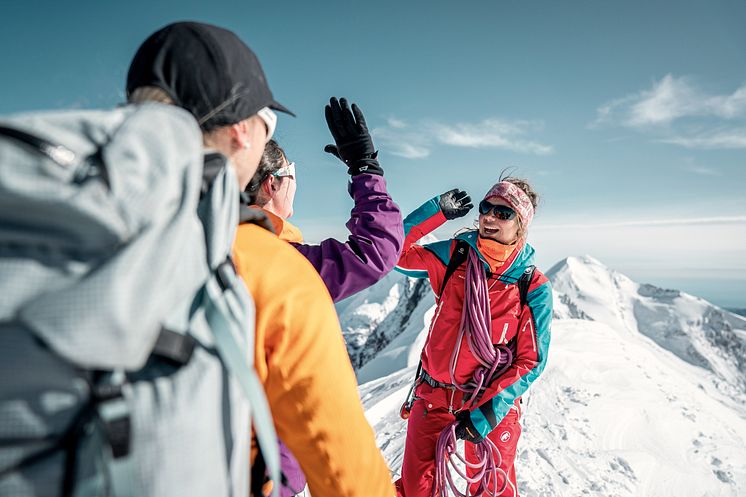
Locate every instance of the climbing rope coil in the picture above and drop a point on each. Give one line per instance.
(485, 470)
(476, 326)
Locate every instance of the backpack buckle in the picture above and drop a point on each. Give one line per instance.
(114, 414)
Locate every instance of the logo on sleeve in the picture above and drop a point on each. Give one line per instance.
(505, 436)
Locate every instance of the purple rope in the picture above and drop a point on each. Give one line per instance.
(476, 325)
(487, 467)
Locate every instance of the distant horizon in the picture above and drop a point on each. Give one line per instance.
(718, 292)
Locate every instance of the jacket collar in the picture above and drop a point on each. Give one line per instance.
(516, 264)
(284, 229)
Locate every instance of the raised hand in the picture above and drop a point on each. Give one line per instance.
(455, 203)
(354, 145)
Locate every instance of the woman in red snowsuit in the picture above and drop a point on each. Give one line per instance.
(487, 342)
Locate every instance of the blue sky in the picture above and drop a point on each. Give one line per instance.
(628, 116)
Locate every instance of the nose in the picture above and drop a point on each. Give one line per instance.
(490, 216)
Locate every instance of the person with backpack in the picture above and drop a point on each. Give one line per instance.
(106, 384)
(488, 341)
(376, 234)
(299, 354)
(375, 224)
(126, 337)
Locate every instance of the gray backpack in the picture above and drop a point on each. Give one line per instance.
(126, 339)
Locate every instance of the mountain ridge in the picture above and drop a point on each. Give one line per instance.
(693, 329)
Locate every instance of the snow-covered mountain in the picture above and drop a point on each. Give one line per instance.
(738, 311)
(696, 331)
(372, 319)
(643, 394)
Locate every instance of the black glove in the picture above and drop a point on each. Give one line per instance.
(353, 143)
(455, 203)
(465, 429)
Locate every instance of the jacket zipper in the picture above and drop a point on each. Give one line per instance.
(437, 314)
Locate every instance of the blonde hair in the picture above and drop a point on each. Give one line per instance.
(145, 94)
(149, 94)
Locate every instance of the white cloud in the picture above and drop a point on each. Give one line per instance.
(668, 100)
(410, 151)
(705, 171)
(415, 142)
(671, 99)
(728, 106)
(717, 139)
(493, 133)
(671, 107)
(400, 141)
(396, 123)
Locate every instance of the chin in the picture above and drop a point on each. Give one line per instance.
(496, 237)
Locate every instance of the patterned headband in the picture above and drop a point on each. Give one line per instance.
(517, 198)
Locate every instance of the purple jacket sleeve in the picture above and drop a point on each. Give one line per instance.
(374, 244)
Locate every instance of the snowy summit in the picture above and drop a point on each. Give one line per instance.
(644, 393)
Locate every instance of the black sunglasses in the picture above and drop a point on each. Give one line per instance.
(502, 212)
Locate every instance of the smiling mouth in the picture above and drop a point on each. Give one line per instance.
(490, 231)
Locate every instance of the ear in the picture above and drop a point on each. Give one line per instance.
(239, 134)
(269, 186)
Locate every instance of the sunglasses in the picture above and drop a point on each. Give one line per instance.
(270, 119)
(502, 212)
(288, 170)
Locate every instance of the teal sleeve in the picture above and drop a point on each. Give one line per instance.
(421, 214)
(421, 221)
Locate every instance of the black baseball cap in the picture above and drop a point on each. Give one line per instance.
(205, 69)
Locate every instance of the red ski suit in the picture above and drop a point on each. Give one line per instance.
(526, 329)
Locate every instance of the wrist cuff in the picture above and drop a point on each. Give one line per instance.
(369, 166)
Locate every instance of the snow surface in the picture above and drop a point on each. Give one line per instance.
(643, 394)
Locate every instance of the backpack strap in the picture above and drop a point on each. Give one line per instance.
(213, 163)
(524, 282)
(113, 411)
(221, 318)
(458, 257)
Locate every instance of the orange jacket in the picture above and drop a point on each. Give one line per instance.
(284, 229)
(303, 363)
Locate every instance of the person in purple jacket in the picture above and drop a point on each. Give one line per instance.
(375, 225)
(376, 230)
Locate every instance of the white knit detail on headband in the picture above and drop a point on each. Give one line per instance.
(517, 198)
